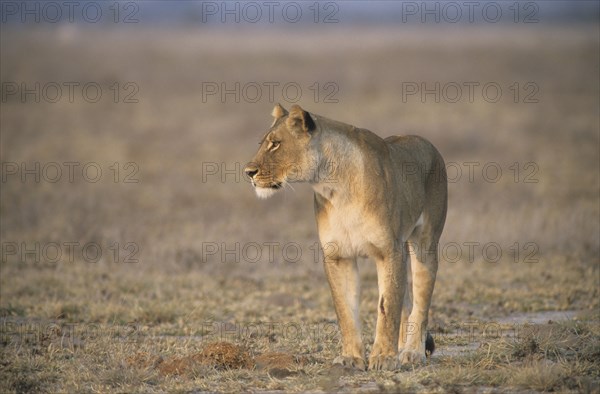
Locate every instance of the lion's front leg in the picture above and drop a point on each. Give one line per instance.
(391, 278)
(344, 282)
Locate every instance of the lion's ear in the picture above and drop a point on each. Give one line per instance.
(300, 120)
(278, 111)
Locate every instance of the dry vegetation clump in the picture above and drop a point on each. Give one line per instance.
(144, 360)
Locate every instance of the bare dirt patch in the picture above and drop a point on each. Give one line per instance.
(218, 355)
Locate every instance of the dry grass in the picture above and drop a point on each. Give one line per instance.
(147, 327)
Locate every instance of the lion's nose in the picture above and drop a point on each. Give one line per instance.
(251, 170)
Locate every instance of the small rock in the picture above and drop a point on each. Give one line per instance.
(281, 373)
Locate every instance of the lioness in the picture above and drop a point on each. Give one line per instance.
(381, 198)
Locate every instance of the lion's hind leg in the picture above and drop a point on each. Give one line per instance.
(424, 264)
(391, 278)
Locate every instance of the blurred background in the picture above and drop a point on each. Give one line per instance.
(125, 127)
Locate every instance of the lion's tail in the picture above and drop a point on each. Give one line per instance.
(429, 345)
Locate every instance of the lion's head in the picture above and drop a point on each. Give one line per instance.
(287, 152)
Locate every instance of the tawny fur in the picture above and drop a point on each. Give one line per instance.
(381, 198)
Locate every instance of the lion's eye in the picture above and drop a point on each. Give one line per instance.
(273, 145)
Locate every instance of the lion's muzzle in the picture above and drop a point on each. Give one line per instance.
(251, 170)
(263, 185)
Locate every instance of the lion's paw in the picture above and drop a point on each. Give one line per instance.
(385, 363)
(352, 362)
(412, 357)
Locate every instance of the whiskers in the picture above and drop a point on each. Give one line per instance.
(286, 184)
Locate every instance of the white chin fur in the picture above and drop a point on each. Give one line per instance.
(264, 192)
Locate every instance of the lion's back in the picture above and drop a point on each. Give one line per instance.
(416, 150)
(417, 161)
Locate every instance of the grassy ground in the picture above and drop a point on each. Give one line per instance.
(525, 320)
